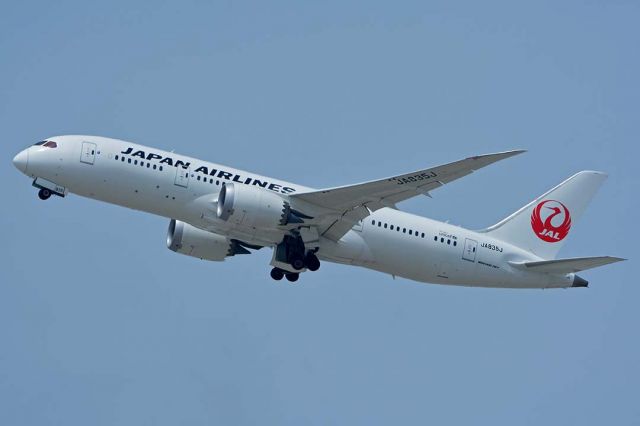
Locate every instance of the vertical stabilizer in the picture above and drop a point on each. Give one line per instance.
(542, 226)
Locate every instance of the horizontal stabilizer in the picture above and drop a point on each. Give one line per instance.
(567, 266)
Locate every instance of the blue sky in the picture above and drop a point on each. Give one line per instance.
(101, 324)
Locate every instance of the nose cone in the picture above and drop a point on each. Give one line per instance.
(21, 161)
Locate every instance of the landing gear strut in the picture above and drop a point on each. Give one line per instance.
(44, 194)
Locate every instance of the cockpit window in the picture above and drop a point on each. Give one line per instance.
(48, 144)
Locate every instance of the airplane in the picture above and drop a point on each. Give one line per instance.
(216, 212)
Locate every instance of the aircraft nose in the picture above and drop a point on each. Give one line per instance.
(21, 161)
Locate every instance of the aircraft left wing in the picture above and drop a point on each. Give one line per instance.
(344, 206)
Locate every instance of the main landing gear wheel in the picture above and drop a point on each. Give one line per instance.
(44, 194)
(278, 274)
(312, 262)
(292, 276)
(297, 262)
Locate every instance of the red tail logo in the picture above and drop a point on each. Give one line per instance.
(556, 223)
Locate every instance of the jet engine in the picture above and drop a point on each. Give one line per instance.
(255, 207)
(186, 239)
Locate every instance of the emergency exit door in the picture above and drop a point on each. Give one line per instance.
(88, 155)
(470, 248)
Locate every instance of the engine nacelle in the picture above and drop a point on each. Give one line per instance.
(254, 207)
(186, 239)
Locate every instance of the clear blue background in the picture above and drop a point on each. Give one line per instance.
(100, 324)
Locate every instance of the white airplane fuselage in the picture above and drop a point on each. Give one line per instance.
(186, 189)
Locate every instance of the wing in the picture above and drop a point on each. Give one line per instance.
(343, 206)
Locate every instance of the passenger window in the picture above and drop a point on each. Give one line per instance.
(135, 162)
(160, 168)
(129, 160)
(198, 177)
(373, 222)
(449, 242)
(116, 158)
(148, 165)
(154, 167)
(455, 243)
(122, 159)
(422, 236)
(404, 230)
(385, 226)
(435, 238)
(379, 224)
(441, 240)
(391, 227)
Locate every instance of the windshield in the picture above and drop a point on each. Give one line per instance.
(48, 144)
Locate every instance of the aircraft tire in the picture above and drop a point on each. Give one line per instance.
(44, 194)
(312, 262)
(277, 274)
(292, 277)
(297, 263)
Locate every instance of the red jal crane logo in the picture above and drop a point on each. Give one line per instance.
(556, 223)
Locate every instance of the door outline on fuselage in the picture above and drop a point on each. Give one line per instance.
(182, 177)
(470, 250)
(88, 153)
(443, 270)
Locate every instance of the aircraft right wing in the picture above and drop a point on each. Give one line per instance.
(346, 205)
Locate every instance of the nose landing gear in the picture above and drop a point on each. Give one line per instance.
(46, 188)
(44, 194)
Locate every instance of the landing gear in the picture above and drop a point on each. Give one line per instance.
(297, 262)
(291, 256)
(311, 261)
(277, 274)
(44, 194)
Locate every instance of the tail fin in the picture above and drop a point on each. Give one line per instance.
(542, 226)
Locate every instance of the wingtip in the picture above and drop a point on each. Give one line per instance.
(497, 156)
